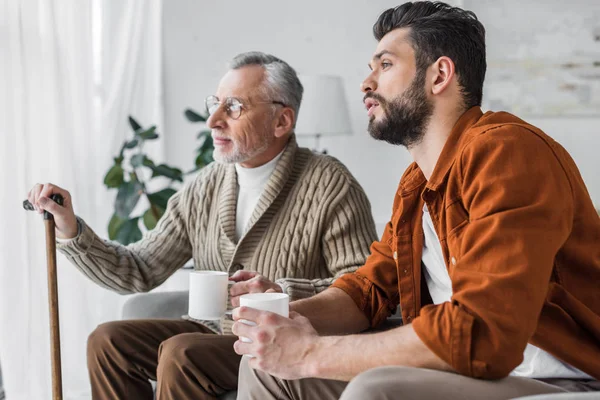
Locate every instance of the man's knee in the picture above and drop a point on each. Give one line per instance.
(381, 383)
(103, 339)
(173, 354)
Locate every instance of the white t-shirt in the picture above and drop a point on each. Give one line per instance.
(251, 183)
(537, 363)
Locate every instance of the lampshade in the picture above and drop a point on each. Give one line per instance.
(323, 110)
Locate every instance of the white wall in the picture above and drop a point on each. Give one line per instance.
(331, 37)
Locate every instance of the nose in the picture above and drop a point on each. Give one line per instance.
(217, 118)
(369, 84)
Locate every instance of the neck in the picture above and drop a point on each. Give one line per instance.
(270, 153)
(427, 152)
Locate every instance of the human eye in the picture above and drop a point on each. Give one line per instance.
(234, 104)
(385, 64)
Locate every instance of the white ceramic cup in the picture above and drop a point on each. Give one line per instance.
(208, 294)
(278, 303)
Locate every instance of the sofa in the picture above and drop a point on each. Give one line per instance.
(175, 304)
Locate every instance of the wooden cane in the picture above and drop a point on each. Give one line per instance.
(52, 297)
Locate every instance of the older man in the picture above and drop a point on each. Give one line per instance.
(298, 219)
(491, 251)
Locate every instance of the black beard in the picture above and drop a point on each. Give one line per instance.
(405, 117)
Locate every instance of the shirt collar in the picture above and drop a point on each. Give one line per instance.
(414, 178)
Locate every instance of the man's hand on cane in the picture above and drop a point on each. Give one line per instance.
(64, 217)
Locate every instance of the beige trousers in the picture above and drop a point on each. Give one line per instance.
(387, 383)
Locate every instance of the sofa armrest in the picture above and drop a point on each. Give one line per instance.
(561, 396)
(156, 305)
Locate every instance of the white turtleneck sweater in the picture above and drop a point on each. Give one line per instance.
(251, 183)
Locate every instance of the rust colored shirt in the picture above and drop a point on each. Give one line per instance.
(521, 241)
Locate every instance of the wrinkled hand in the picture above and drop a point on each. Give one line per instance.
(280, 346)
(64, 217)
(250, 282)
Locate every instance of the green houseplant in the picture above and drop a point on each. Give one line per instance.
(129, 176)
(204, 152)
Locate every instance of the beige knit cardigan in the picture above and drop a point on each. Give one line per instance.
(312, 224)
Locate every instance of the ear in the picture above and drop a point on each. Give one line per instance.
(285, 122)
(443, 74)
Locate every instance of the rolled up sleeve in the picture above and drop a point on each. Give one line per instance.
(374, 286)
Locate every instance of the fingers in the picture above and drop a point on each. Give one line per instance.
(258, 284)
(64, 217)
(49, 189)
(256, 316)
(40, 191)
(250, 314)
(242, 348)
(238, 289)
(252, 285)
(242, 275)
(33, 195)
(240, 328)
(51, 206)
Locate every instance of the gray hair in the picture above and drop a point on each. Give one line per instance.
(281, 81)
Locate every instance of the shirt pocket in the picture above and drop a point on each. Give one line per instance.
(457, 220)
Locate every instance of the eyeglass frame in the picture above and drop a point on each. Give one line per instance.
(228, 99)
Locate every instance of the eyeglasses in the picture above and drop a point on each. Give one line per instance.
(233, 106)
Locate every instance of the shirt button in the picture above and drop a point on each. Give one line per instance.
(395, 255)
(453, 261)
(406, 271)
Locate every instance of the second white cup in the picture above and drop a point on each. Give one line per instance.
(278, 303)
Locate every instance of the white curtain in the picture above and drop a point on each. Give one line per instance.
(70, 72)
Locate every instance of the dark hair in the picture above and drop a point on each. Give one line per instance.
(438, 29)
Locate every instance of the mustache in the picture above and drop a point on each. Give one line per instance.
(375, 96)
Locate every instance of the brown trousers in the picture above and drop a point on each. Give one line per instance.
(399, 383)
(187, 360)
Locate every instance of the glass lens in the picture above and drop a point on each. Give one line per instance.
(234, 107)
(212, 104)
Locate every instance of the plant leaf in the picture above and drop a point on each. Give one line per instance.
(127, 198)
(114, 177)
(150, 220)
(148, 134)
(205, 133)
(114, 225)
(165, 170)
(193, 116)
(161, 198)
(129, 231)
(131, 144)
(203, 159)
(148, 162)
(134, 124)
(137, 160)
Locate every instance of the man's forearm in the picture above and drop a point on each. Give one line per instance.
(332, 312)
(344, 357)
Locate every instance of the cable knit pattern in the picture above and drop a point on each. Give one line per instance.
(312, 224)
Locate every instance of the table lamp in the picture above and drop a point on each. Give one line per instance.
(323, 111)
